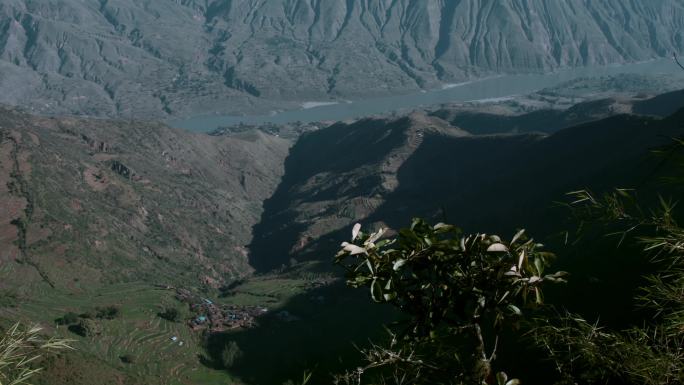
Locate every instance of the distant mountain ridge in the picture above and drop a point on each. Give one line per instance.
(382, 172)
(138, 58)
(107, 200)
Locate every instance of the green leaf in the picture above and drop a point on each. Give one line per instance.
(516, 310)
(389, 296)
(501, 378)
(382, 243)
(388, 293)
(408, 234)
(538, 295)
(376, 291)
(398, 264)
(361, 280)
(522, 259)
(370, 266)
(517, 236)
(443, 227)
(539, 264)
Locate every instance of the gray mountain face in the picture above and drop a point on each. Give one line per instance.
(143, 58)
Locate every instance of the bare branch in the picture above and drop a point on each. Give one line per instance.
(677, 61)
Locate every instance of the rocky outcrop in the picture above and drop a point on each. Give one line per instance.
(121, 169)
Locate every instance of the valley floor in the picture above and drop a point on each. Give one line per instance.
(138, 347)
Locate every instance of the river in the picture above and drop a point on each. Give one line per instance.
(491, 88)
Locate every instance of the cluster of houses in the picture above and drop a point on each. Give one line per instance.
(215, 318)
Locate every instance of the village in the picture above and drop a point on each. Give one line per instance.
(216, 318)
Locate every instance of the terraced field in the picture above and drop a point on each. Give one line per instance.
(140, 335)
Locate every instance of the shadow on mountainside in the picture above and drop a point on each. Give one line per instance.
(316, 332)
(500, 183)
(551, 120)
(493, 184)
(540, 121)
(505, 183)
(330, 155)
(661, 105)
(335, 175)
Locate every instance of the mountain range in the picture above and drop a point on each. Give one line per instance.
(178, 257)
(88, 202)
(139, 58)
(99, 213)
(381, 172)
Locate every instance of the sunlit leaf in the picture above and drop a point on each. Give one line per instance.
(398, 264)
(355, 231)
(501, 378)
(353, 249)
(521, 259)
(517, 236)
(497, 248)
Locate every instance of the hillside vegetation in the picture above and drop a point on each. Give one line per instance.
(90, 202)
(105, 222)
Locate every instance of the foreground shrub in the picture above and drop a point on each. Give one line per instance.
(651, 353)
(457, 292)
(20, 348)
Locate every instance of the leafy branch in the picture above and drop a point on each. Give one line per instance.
(649, 354)
(452, 287)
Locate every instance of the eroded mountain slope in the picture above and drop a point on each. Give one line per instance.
(193, 56)
(90, 202)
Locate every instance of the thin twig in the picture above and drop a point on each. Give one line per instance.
(677, 61)
(492, 357)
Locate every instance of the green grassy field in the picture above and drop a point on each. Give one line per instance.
(138, 332)
(272, 352)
